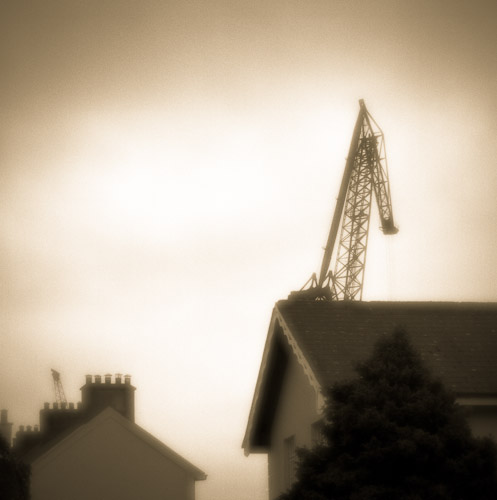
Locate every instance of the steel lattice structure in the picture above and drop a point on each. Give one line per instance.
(351, 257)
(365, 172)
(60, 396)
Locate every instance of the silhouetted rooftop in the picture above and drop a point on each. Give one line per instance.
(457, 340)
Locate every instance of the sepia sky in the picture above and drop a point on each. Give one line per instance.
(169, 169)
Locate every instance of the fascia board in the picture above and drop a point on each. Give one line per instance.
(258, 385)
(302, 360)
(277, 317)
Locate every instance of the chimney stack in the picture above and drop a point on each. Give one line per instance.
(96, 397)
(5, 427)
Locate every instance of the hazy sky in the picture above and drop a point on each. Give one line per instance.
(169, 170)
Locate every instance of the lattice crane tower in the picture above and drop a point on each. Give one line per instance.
(365, 171)
(60, 397)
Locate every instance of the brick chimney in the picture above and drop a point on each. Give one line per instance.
(96, 396)
(5, 427)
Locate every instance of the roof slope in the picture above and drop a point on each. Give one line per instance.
(110, 413)
(457, 340)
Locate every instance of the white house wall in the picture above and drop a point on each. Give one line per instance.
(297, 410)
(108, 462)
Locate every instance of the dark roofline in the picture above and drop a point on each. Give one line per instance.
(136, 430)
(431, 305)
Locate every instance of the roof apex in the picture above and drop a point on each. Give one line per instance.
(110, 413)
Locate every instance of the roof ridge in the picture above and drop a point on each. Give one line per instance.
(135, 429)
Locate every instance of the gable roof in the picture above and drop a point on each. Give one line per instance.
(111, 414)
(458, 341)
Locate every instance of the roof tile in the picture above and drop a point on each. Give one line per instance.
(458, 341)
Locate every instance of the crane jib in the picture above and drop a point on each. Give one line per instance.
(341, 196)
(365, 172)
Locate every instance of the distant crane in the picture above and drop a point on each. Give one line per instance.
(60, 397)
(365, 172)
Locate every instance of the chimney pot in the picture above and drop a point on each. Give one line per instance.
(89, 379)
(46, 406)
(71, 406)
(80, 405)
(127, 379)
(29, 428)
(108, 378)
(98, 379)
(37, 429)
(118, 378)
(55, 406)
(63, 405)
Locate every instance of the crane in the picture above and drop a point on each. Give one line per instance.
(60, 397)
(365, 172)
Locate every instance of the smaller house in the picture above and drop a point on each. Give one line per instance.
(96, 450)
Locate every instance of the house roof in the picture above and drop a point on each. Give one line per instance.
(111, 414)
(458, 341)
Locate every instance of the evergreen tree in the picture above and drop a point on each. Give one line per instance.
(14, 475)
(395, 433)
